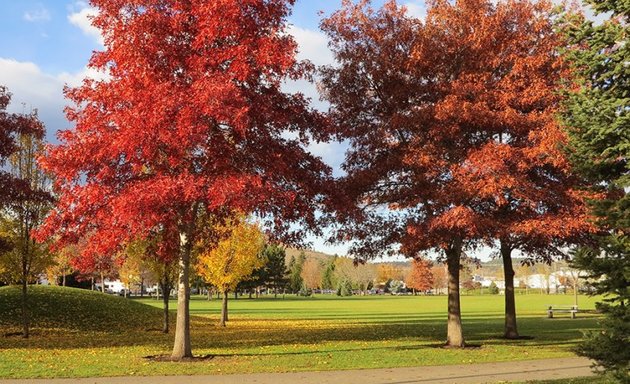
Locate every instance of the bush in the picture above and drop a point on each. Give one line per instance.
(493, 289)
(304, 291)
(344, 288)
(395, 287)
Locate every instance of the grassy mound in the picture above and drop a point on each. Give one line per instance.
(76, 309)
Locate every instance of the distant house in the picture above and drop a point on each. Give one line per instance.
(487, 281)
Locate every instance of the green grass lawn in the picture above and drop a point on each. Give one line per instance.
(79, 333)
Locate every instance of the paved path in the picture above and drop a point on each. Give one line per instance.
(473, 373)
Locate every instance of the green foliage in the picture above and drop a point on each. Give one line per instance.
(394, 286)
(598, 120)
(328, 276)
(610, 347)
(275, 270)
(610, 273)
(305, 291)
(295, 272)
(344, 288)
(21, 249)
(493, 289)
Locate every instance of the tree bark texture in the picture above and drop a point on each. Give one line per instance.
(510, 329)
(455, 334)
(224, 309)
(182, 347)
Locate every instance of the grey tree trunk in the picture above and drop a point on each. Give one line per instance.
(455, 334)
(224, 309)
(102, 282)
(182, 347)
(510, 329)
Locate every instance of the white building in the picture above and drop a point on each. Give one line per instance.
(112, 286)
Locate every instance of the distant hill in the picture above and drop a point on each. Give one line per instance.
(310, 254)
(489, 266)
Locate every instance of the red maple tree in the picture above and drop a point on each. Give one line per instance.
(452, 131)
(191, 124)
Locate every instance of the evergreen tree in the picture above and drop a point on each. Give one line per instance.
(328, 276)
(598, 122)
(493, 289)
(295, 272)
(275, 271)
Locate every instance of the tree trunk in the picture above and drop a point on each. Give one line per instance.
(224, 309)
(235, 295)
(454, 335)
(25, 312)
(182, 347)
(510, 330)
(209, 294)
(142, 287)
(63, 280)
(102, 282)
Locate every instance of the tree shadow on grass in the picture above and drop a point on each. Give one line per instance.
(251, 334)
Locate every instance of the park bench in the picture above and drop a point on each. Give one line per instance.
(573, 310)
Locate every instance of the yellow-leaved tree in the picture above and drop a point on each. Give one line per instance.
(233, 258)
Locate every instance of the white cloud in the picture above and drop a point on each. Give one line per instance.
(75, 79)
(39, 90)
(40, 14)
(312, 45)
(416, 10)
(81, 18)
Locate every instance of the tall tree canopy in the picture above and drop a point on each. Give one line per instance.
(24, 200)
(12, 127)
(598, 119)
(191, 121)
(452, 130)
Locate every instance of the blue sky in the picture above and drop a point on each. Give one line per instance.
(48, 43)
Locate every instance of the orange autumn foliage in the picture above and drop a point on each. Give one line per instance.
(420, 277)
